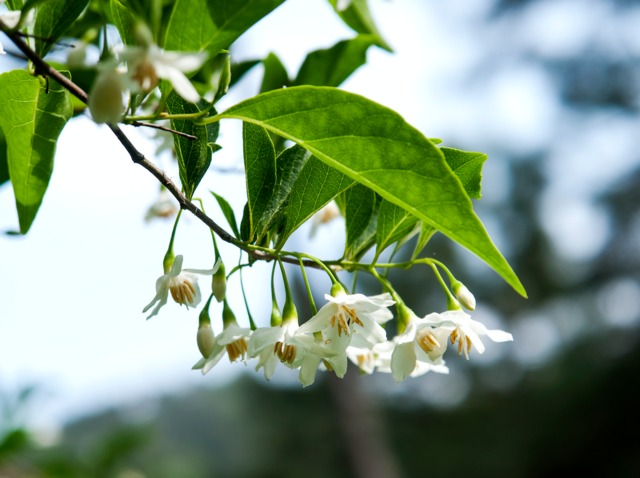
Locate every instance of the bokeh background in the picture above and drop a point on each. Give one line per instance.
(549, 89)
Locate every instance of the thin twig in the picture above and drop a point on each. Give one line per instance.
(46, 70)
(163, 128)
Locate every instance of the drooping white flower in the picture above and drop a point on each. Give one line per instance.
(233, 341)
(351, 319)
(163, 207)
(148, 64)
(418, 350)
(181, 283)
(273, 345)
(466, 331)
(326, 214)
(107, 94)
(378, 358)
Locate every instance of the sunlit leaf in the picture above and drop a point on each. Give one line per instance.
(374, 146)
(358, 16)
(31, 120)
(361, 216)
(212, 25)
(468, 167)
(330, 67)
(394, 223)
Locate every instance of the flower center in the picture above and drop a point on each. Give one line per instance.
(183, 292)
(145, 75)
(428, 342)
(286, 353)
(464, 342)
(344, 318)
(237, 349)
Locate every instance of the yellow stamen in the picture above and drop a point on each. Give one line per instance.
(237, 349)
(183, 293)
(286, 353)
(428, 342)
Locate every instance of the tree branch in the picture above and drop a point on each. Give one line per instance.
(44, 69)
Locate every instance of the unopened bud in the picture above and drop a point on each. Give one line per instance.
(289, 311)
(276, 315)
(205, 340)
(228, 317)
(337, 289)
(219, 284)
(105, 100)
(464, 296)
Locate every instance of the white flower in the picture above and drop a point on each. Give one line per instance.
(106, 96)
(150, 63)
(418, 350)
(11, 20)
(163, 207)
(326, 214)
(273, 345)
(183, 285)
(378, 358)
(351, 319)
(462, 328)
(232, 340)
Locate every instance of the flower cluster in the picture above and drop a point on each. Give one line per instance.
(347, 327)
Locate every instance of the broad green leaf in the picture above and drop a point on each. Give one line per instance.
(374, 146)
(275, 74)
(52, 21)
(213, 25)
(316, 185)
(260, 168)
(361, 215)
(358, 17)
(330, 67)
(394, 223)
(4, 165)
(31, 120)
(194, 156)
(468, 167)
(289, 163)
(229, 215)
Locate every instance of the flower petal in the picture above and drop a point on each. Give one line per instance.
(403, 361)
(179, 81)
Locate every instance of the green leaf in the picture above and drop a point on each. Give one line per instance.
(468, 167)
(289, 163)
(125, 20)
(229, 215)
(361, 215)
(394, 224)
(316, 185)
(275, 74)
(330, 67)
(4, 164)
(31, 120)
(15, 4)
(426, 232)
(213, 25)
(260, 167)
(194, 156)
(374, 146)
(358, 17)
(52, 21)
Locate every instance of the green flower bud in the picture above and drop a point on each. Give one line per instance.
(464, 296)
(205, 339)
(105, 100)
(219, 284)
(337, 289)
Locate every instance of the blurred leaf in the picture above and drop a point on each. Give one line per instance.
(194, 156)
(32, 120)
(358, 17)
(53, 19)
(125, 20)
(275, 75)
(374, 146)
(213, 25)
(330, 67)
(468, 167)
(361, 216)
(316, 185)
(15, 4)
(229, 215)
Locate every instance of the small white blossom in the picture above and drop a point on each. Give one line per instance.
(273, 345)
(378, 358)
(107, 94)
(181, 283)
(163, 207)
(351, 319)
(148, 64)
(462, 328)
(233, 341)
(325, 215)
